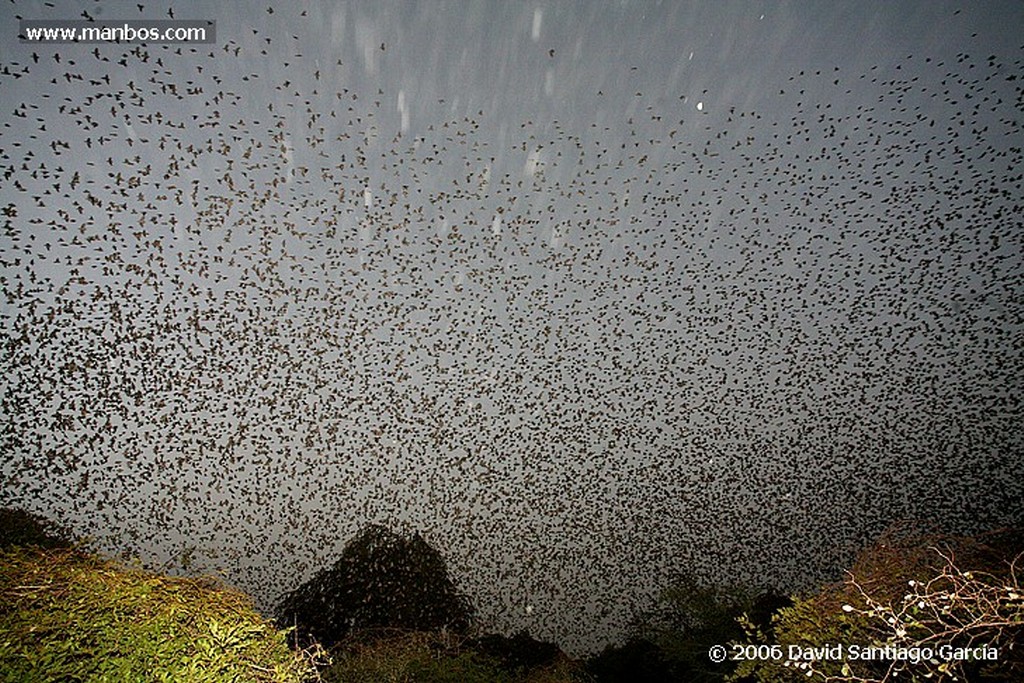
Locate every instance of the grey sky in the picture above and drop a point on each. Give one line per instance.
(584, 292)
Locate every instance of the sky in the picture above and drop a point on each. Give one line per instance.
(587, 293)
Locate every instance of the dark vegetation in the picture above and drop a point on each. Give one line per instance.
(388, 611)
(18, 527)
(381, 580)
(518, 653)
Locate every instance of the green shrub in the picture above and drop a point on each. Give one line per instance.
(398, 656)
(910, 590)
(69, 616)
(465, 667)
(516, 653)
(638, 660)
(691, 617)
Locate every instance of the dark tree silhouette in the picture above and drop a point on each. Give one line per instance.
(691, 617)
(517, 653)
(637, 661)
(381, 580)
(18, 527)
(764, 607)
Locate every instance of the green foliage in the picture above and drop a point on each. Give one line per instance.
(906, 591)
(381, 580)
(672, 641)
(69, 616)
(811, 621)
(563, 670)
(407, 657)
(691, 617)
(517, 653)
(398, 656)
(465, 667)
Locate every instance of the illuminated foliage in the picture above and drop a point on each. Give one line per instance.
(918, 594)
(69, 616)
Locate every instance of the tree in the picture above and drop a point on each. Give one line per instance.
(914, 592)
(381, 580)
(761, 613)
(691, 618)
(673, 641)
(638, 660)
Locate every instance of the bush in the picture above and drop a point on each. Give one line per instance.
(69, 616)
(912, 589)
(671, 642)
(394, 656)
(518, 653)
(691, 617)
(636, 661)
